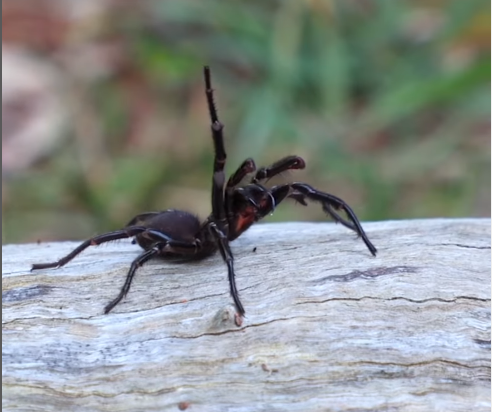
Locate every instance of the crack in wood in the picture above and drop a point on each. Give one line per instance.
(240, 329)
(454, 300)
(486, 364)
(368, 274)
(466, 246)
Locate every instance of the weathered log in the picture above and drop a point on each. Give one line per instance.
(328, 327)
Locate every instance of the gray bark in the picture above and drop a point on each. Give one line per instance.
(328, 327)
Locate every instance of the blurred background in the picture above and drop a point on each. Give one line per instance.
(104, 114)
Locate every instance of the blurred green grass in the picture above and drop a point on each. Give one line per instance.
(388, 102)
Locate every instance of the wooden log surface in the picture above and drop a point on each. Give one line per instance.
(328, 327)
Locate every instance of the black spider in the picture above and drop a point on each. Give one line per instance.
(235, 207)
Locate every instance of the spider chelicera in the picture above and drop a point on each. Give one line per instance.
(235, 207)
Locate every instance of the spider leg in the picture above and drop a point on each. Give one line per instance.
(329, 202)
(226, 253)
(218, 179)
(219, 227)
(164, 243)
(139, 261)
(130, 231)
(287, 163)
(282, 165)
(248, 166)
(299, 197)
(335, 216)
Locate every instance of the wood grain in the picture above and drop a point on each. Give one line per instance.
(328, 327)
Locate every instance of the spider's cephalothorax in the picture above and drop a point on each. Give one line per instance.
(235, 207)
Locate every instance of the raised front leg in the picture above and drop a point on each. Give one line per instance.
(218, 179)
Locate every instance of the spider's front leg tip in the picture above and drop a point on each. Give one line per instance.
(206, 73)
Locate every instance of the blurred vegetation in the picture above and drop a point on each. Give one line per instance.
(387, 101)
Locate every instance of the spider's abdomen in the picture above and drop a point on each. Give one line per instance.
(175, 224)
